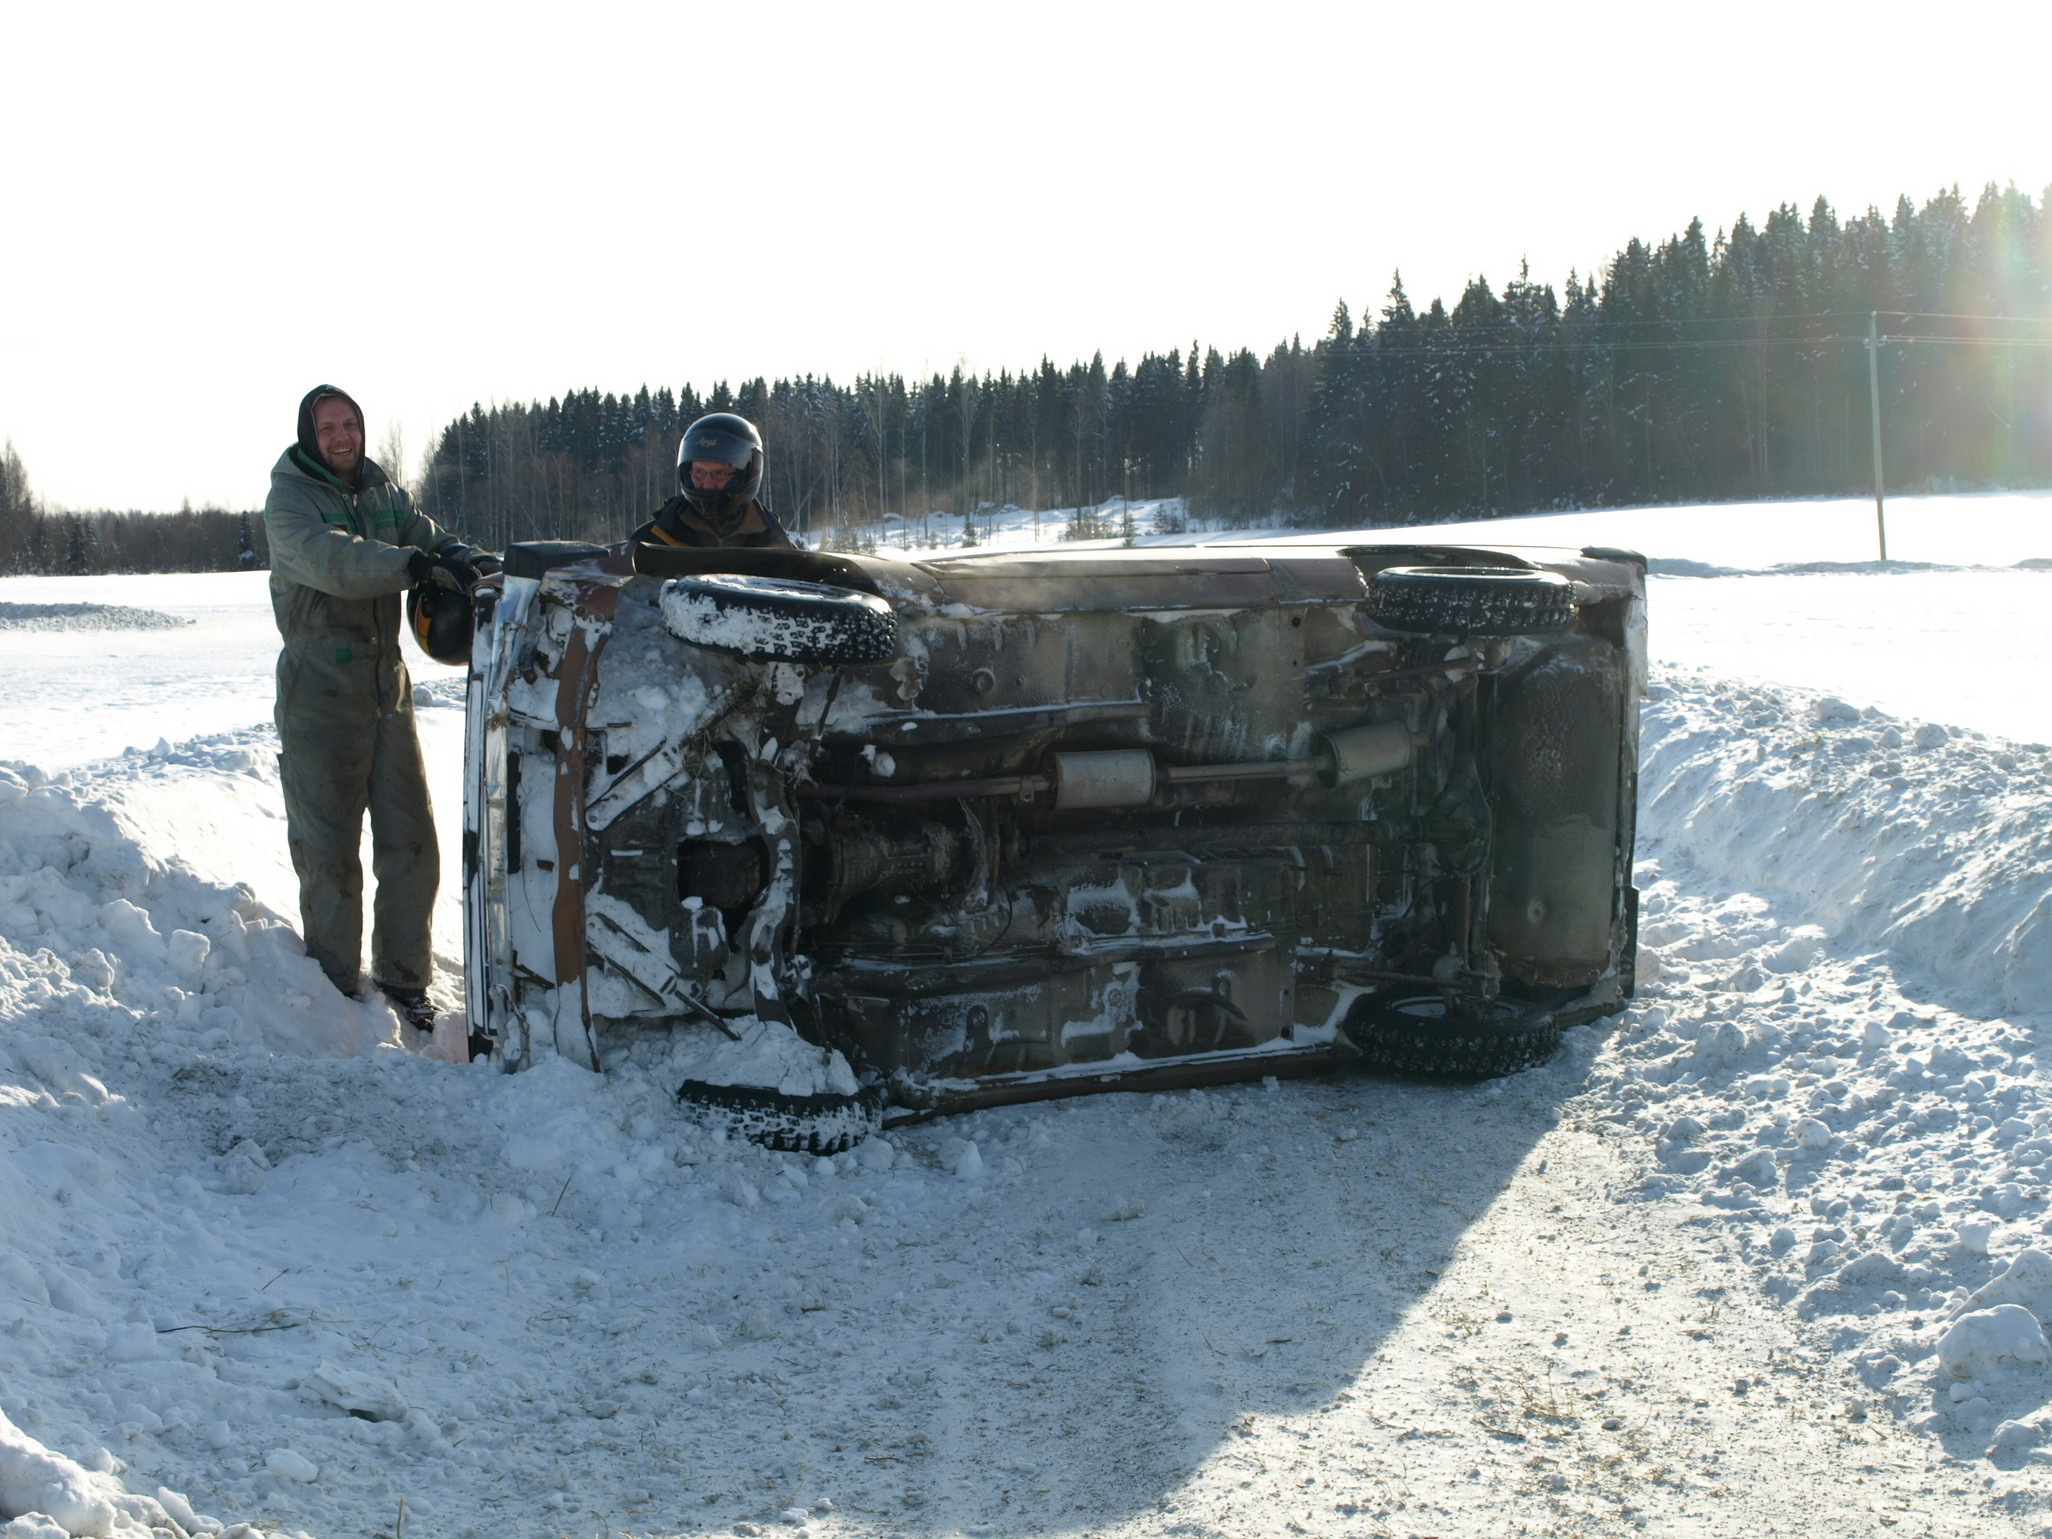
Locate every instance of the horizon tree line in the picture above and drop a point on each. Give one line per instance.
(34, 541)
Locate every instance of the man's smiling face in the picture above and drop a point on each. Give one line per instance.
(339, 434)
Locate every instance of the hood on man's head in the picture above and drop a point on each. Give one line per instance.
(309, 445)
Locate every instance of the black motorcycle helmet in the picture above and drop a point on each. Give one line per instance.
(442, 620)
(732, 441)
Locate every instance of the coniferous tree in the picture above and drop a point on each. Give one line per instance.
(80, 547)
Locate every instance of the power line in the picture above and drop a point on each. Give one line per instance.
(1972, 341)
(2002, 320)
(1599, 345)
(1465, 348)
(1603, 323)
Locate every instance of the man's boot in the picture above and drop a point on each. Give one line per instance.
(412, 1005)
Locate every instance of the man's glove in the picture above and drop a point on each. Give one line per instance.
(482, 562)
(450, 566)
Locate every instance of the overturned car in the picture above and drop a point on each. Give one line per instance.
(825, 836)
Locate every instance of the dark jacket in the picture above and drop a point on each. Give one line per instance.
(676, 522)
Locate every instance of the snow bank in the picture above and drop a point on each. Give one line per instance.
(115, 961)
(1837, 1047)
(87, 617)
(1888, 834)
(221, 1184)
(36, 1483)
(128, 952)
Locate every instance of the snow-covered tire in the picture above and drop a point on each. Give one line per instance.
(799, 1124)
(1470, 600)
(1420, 1036)
(775, 618)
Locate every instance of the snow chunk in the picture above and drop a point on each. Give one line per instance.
(1756, 1169)
(20, 1279)
(1720, 1045)
(770, 1054)
(1798, 952)
(2026, 1281)
(78, 1501)
(133, 1343)
(130, 927)
(360, 1394)
(288, 1465)
(969, 1163)
(179, 1506)
(187, 951)
(2014, 1437)
(1873, 1270)
(848, 1206)
(1977, 1342)
(244, 1167)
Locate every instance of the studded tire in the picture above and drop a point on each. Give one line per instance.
(798, 1124)
(1421, 1037)
(1470, 600)
(780, 619)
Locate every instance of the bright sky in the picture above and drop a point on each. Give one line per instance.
(210, 208)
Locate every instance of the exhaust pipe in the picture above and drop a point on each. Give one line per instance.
(1129, 777)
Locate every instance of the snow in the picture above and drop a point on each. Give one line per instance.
(1987, 1339)
(767, 1053)
(1766, 1253)
(86, 617)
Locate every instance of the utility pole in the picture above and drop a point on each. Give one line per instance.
(1874, 406)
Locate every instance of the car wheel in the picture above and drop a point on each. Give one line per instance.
(1470, 600)
(780, 619)
(798, 1124)
(1424, 1036)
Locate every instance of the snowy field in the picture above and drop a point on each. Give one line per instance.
(1767, 1253)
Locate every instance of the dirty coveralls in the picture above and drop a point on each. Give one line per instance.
(339, 563)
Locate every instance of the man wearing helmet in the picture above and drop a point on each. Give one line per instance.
(345, 543)
(719, 479)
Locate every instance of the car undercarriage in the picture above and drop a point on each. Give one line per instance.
(835, 836)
